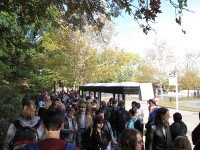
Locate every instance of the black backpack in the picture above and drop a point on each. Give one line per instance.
(24, 135)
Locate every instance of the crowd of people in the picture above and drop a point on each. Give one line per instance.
(88, 124)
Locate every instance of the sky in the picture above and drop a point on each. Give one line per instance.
(131, 38)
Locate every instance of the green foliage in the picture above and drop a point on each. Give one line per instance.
(15, 50)
(145, 73)
(189, 80)
(76, 14)
(10, 108)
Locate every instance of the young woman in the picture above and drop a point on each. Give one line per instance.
(95, 137)
(158, 135)
(27, 118)
(131, 139)
(135, 122)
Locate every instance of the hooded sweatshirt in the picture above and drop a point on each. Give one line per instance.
(12, 129)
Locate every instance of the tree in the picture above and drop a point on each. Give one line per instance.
(190, 79)
(76, 14)
(23, 23)
(15, 49)
(127, 69)
(145, 73)
(161, 59)
(115, 65)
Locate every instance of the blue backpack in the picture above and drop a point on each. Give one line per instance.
(69, 146)
(131, 123)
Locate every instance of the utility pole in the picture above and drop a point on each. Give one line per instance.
(174, 82)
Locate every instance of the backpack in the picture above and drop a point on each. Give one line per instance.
(130, 123)
(69, 146)
(24, 135)
(122, 116)
(113, 111)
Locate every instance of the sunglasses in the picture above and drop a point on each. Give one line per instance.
(100, 122)
(82, 107)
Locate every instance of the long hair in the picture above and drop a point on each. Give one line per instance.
(128, 139)
(29, 110)
(158, 119)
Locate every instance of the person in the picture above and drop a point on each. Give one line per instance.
(178, 127)
(26, 98)
(27, 118)
(182, 143)
(58, 103)
(197, 145)
(152, 111)
(131, 139)
(52, 122)
(107, 113)
(83, 119)
(89, 104)
(74, 105)
(196, 133)
(48, 102)
(95, 107)
(95, 137)
(139, 111)
(65, 99)
(122, 116)
(133, 104)
(41, 105)
(113, 109)
(135, 122)
(68, 134)
(107, 127)
(158, 135)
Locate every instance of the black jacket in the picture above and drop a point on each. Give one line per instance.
(197, 145)
(139, 126)
(178, 129)
(156, 140)
(91, 140)
(122, 116)
(196, 134)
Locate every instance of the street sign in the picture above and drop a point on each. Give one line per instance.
(173, 79)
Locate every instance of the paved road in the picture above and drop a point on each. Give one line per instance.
(191, 104)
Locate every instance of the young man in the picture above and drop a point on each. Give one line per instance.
(53, 122)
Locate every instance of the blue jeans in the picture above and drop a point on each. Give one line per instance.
(79, 137)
